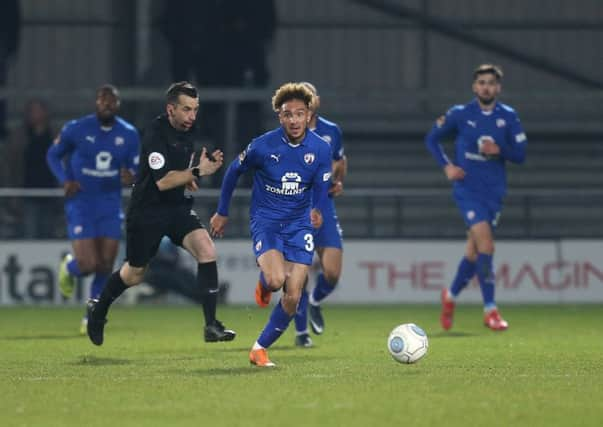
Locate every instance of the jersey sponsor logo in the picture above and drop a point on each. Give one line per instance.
(482, 139)
(156, 160)
(102, 167)
(99, 174)
(119, 140)
(309, 158)
(90, 138)
(475, 156)
(520, 137)
(501, 123)
(103, 160)
(289, 185)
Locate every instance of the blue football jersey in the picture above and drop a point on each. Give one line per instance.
(93, 155)
(331, 133)
(485, 176)
(286, 176)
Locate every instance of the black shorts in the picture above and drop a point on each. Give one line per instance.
(144, 233)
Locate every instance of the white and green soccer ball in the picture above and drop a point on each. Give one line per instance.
(407, 343)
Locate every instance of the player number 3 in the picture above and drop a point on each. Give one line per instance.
(309, 242)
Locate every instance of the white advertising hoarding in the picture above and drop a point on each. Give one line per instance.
(567, 271)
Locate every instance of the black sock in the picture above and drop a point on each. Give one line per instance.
(113, 289)
(207, 279)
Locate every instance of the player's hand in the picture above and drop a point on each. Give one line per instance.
(217, 225)
(489, 148)
(71, 187)
(127, 177)
(315, 218)
(453, 172)
(208, 166)
(336, 189)
(192, 186)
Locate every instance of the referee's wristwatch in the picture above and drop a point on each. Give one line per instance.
(196, 172)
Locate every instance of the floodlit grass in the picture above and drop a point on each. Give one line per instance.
(154, 369)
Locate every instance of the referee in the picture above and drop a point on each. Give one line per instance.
(158, 208)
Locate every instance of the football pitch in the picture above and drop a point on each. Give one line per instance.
(154, 369)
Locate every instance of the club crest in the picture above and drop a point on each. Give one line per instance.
(309, 158)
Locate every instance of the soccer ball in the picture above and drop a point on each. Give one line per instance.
(407, 343)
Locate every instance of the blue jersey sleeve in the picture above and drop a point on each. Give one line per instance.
(247, 160)
(514, 146)
(337, 151)
(321, 182)
(63, 145)
(443, 127)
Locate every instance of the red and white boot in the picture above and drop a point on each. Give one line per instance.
(447, 310)
(493, 320)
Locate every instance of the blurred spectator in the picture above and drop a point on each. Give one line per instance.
(10, 26)
(26, 153)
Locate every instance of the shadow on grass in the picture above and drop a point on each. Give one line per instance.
(217, 372)
(88, 360)
(42, 337)
(283, 347)
(455, 334)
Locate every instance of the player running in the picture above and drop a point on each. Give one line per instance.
(488, 134)
(328, 238)
(292, 170)
(92, 158)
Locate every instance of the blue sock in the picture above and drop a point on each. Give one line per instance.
(277, 324)
(485, 274)
(301, 315)
(464, 274)
(263, 281)
(98, 284)
(322, 289)
(73, 268)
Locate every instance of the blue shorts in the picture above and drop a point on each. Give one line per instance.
(294, 240)
(89, 220)
(475, 211)
(330, 234)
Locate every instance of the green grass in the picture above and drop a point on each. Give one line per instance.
(154, 369)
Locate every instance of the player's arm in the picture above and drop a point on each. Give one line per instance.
(339, 165)
(63, 145)
(130, 166)
(444, 127)
(240, 165)
(514, 146)
(340, 170)
(320, 190)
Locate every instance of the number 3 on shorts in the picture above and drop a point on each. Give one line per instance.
(309, 242)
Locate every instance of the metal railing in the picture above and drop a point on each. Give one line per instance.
(363, 213)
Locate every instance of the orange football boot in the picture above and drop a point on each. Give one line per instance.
(259, 358)
(262, 295)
